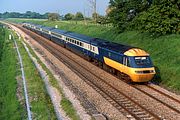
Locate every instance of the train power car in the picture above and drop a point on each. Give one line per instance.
(116, 58)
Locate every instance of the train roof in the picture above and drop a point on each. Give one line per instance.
(47, 28)
(59, 31)
(79, 36)
(116, 47)
(39, 26)
(30, 23)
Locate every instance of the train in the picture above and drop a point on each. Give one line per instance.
(123, 60)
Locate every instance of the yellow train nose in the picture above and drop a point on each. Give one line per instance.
(142, 75)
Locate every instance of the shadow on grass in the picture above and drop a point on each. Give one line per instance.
(157, 78)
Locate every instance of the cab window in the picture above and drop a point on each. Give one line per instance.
(142, 60)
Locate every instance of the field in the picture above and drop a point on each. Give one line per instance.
(164, 50)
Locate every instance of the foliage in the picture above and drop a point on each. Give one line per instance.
(95, 16)
(79, 16)
(53, 16)
(102, 19)
(28, 14)
(69, 16)
(162, 18)
(124, 11)
(157, 17)
(2, 35)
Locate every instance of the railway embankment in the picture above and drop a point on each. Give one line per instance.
(164, 50)
(10, 88)
(64, 108)
(12, 99)
(39, 100)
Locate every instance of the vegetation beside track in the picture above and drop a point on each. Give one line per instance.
(41, 105)
(164, 50)
(10, 107)
(65, 103)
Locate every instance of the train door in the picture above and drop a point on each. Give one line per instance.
(125, 63)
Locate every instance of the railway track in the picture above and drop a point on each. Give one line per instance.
(122, 102)
(155, 95)
(165, 94)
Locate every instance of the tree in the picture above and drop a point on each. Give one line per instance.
(162, 18)
(95, 16)
(53, 16)
(102, 19)
(28, 14)
(79, 16)
(69, 16)
(45, 16)
(122, 12)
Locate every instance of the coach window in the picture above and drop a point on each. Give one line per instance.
(81, 44)
(60, 36)
(90, 47)
(77, 42)
(93, 48)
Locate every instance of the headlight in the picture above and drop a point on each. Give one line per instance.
(138, 71)
(144, 71)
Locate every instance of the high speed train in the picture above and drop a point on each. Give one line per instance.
(119, 59)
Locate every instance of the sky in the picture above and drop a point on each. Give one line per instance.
(60, 6)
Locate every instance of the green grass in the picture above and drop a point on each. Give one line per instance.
(67, 107)
(10, 108)
(41, 105)
(40, 102)
(164, 50)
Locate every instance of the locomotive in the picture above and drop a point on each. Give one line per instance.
(119, 59)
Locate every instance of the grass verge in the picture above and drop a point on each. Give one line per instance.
(41, 106)
(10, 107)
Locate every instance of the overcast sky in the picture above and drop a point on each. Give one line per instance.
(43, 6)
